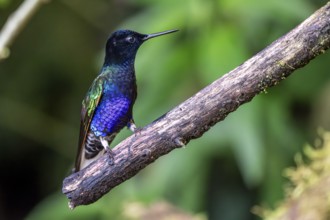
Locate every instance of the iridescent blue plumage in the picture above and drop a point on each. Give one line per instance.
(107, 107)
(112, 114)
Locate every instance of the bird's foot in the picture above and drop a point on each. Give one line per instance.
(132, 126)
(104, 143)
(111, 155)
(108, 151)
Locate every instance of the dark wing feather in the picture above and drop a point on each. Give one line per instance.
(89, 105)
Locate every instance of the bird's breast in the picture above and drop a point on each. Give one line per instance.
(111, 115)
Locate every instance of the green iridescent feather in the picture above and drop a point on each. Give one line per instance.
(89, 105)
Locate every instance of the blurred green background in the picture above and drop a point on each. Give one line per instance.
(236, 165)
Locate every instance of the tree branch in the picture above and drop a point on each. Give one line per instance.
(16, 23)
(196, 115)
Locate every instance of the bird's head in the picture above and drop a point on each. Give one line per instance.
(122, 45)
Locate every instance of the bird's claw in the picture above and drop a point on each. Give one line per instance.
(111, 155)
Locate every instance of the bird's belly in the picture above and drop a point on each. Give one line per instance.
(111, 116)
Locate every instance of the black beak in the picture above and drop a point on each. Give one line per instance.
(149, 36)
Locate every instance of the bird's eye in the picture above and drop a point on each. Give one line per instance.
(130, 39)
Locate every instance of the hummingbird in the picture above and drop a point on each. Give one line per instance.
(108, 104)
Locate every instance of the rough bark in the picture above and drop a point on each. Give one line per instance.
(196, 115)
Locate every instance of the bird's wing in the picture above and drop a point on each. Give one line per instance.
(89, 105)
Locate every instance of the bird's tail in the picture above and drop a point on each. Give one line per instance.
(84, 162)
(91, 150)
